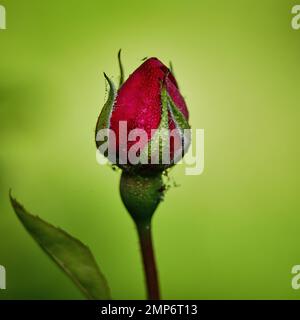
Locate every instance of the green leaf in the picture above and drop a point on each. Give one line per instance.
(71, 255)
(121, 69)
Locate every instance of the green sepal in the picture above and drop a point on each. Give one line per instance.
(121, 79)
(159, 138)
(181, 124)
(171, 67)
(177, 116)
(103, 121)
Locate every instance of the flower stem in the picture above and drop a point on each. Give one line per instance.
(145, 238)
(141, 194)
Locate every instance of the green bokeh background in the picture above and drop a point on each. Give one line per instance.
(232, 232)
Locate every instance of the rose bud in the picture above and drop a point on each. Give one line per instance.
(145, 121)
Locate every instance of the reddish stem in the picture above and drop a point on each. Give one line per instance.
(145, 237)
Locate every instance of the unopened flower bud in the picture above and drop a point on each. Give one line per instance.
(146, 121)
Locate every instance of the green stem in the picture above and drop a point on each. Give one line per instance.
(145, 238)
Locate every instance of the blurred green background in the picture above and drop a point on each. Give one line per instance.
(232, 232)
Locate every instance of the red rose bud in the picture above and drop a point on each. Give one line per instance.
(147, 120)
